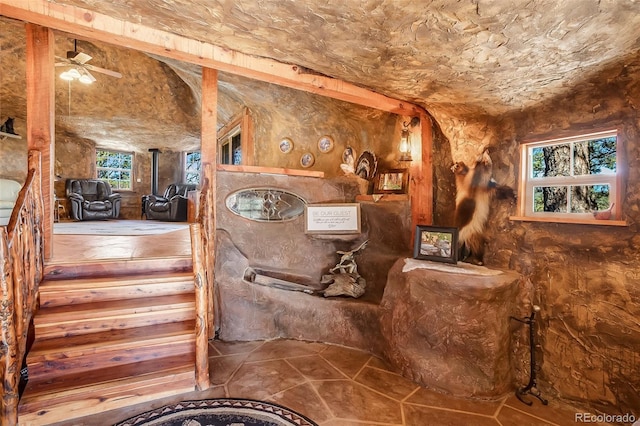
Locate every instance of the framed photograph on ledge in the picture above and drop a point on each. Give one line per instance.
(394, 181)
(438, 244)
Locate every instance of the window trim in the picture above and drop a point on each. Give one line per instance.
(525, 196)
(131, 171)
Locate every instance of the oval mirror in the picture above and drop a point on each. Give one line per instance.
(265, 204)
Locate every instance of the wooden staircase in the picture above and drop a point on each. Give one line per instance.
(109, 335)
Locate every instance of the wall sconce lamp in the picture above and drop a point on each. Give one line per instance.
(405, 139)
(77, 74)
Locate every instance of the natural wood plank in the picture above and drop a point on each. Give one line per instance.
(569, 221)
(93, 317)
(202, 312)
(207, 213)
(93, 25)
(90, 359)
(117, 387)
(269, 170)
(116, 268)
(96, 342)
(421, 175)
(383, 198)
(41, 115)
(73, 292)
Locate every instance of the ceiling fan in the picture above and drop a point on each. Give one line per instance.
(80, 68)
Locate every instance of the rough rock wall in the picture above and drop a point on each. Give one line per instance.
(586, 277)
(278, 112)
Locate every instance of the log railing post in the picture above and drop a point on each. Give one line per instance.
(200, 280)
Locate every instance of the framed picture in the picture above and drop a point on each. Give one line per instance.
(436, 243)
(393, 181)
(336, 218)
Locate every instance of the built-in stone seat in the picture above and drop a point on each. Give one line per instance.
(444, 330)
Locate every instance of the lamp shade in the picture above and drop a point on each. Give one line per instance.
(405, 145)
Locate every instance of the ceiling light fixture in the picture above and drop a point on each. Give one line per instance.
(76, 74)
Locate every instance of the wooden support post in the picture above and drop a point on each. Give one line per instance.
(41, 116)
(421, 173)
(209, 155)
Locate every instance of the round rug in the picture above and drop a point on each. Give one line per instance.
(220, 412)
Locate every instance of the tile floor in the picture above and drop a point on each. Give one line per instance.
(338, 386)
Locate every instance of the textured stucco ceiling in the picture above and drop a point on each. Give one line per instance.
(489, 55)
(458, 59)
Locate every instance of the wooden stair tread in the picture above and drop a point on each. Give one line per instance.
(108, 340)
(81, 395)
(114, 307)
(80, 382)
(115, 281)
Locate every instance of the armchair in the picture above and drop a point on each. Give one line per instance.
(172, 206)
(92, 199)
(9, 190)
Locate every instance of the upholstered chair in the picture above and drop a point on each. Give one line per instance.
(9, 190)
(92, 199)
(172, 206)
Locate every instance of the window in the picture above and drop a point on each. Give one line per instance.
(571, 178)
(115, 167)
(192, 167)
(235, 140)
(231, 147)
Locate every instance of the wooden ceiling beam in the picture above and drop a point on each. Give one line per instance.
(90, 24)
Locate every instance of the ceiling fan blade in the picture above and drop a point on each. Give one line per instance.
(103, 71)
(63, 64)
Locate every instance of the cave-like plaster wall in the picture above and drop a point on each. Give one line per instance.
(586, 277)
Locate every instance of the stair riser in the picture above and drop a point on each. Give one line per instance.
(46, 328)
(47, 369)
(78, 296)
(117, 267)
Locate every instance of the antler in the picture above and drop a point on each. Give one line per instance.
(361, 246)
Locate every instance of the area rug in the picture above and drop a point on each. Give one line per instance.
(117, 227)
(220, 412)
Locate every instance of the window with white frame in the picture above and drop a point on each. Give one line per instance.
(192, 166)
(571, 178)
(115, 167)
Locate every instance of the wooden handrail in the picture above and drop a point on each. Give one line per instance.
(203, 255)
(200, 279)
(21, 271)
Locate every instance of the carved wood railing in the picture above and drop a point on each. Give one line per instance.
(21, 270)
(203, 254)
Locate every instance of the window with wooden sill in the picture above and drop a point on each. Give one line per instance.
(575, 179)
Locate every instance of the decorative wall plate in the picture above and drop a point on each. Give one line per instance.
(285, 145)
(325, 144)
(367, 165)
(307, 160)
